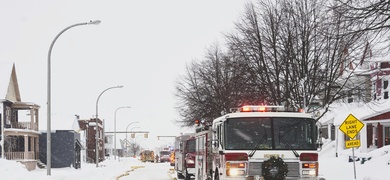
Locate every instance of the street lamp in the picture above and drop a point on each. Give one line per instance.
(128, 127)
(48, 138)
(115, 128)
(131, 130)
(97, 134)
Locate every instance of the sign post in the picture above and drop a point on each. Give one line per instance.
(351, 127)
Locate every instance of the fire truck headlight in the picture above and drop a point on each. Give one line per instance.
(235, 172)
(190, 161)
(310, 172)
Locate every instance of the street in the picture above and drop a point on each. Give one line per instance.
(150, 171)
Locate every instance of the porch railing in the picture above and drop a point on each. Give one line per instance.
(25, 125)
(19, 155)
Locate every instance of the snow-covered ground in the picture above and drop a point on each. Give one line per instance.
(339, 168)
(107, 170)
(331, 168)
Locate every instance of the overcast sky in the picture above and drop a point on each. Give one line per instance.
(143, 45)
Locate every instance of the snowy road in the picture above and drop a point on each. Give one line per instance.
(150, 171)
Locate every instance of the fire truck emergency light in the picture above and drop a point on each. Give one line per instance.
(253, 108)
(197, 122)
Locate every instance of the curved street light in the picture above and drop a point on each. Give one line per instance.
(115, 128)
(48, 136)
(96, 120)
(128, 127)
(131, 130)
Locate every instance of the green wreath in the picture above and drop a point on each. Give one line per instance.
(274, 169)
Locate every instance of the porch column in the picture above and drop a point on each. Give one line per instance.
(340, 140)
(374, 135)
(37, 148)
(32, 148)
(36, 119)
(380, 135)
(363, 139)
(32, 117)
(25, 146)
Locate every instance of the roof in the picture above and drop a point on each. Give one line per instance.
(338, 112)
(8, 82)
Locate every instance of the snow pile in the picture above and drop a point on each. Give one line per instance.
(12, 167)
(372, 165)
(109, 169)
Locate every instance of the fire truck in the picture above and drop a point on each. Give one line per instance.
(165, 155)
(185, 156)
(257, 142)
(147, 156)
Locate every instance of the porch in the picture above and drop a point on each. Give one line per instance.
(23, 125)
(29, 155)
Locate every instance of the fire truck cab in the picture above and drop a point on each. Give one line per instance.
(257, 142)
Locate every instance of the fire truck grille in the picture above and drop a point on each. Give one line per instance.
(255, 169)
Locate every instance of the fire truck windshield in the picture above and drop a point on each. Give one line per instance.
(270, 133)
(191, 146)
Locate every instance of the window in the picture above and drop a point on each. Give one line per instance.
(350, 97)
(191, 146)
(385, 89)
(8, 115)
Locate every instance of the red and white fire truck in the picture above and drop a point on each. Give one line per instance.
(185, 156)
(257, 142)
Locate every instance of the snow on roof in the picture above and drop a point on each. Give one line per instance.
(5, 75)
(338, 112)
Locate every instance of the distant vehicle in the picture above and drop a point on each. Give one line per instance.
(147, 156)
(165, 156)
(172, 158)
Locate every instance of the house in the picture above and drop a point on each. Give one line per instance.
(19, 121)
(373, 110)
(65, 151)
(109, 145)
(89, 140)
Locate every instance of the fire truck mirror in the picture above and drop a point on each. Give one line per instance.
(319, 145)
(221, 152)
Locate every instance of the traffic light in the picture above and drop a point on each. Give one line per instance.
(133, 135)
(146, 135)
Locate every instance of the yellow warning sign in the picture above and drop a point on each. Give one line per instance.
(351, 126)
(352, 143)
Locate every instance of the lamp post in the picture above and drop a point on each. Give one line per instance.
(48, 138)
(97, 128)
(115, 128)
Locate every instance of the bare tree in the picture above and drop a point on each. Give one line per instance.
(297, 51)
(368, 15)
(212, 87)
(285, 52)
